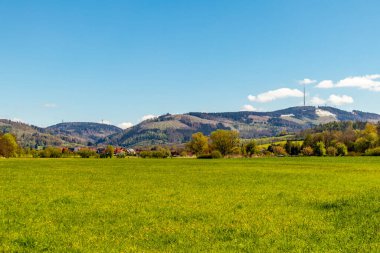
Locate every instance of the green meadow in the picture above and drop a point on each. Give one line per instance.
(188, 205)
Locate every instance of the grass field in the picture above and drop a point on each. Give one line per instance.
(189, 205)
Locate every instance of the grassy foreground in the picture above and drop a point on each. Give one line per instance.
(189, 205)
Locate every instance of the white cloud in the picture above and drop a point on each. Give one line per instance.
(326, 84)
(317, 101)
(50, 105)
(323, 113)
(340, 100)
(368, 82)
(248, 108)
(276, 94)
(149, 116)
(307, 81)
(125, 125)
(18, 120)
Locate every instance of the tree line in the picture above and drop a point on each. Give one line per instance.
(332, 139)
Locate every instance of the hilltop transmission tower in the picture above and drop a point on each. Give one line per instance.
(304, 95)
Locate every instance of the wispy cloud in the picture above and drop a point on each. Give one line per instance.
(19, 120)
(50, 105)
(248, 108)
(326, 84)
(333, 99)
(317, 101)
(275, 94)
(125, 125)
(367, 82)
(307, 81)
(149, 116)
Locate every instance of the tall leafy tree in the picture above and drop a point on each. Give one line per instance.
(8, 146)
(109, 151)
(198, 144)
(320, 149)
(225, 141)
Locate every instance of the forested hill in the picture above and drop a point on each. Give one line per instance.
(87, 133)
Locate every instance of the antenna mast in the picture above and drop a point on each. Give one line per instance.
(304, 95)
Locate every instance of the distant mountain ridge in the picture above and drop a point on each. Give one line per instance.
(176, 129)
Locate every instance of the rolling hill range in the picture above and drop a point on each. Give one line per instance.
(63, 134)
(85, 133)
(176, 129)
(172, 129)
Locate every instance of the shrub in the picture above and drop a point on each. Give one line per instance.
(292, 148)
(86, 153)
(278, 150)
(204, 156)
(250, 148)
(266, 153)
(332, 151)
(307, 151)
(162, 153)
(50, 152)
(373, 152)
(121, 155)
(184, 154)
(145, 154)
(216, 154)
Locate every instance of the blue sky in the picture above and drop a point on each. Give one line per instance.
(122, 60)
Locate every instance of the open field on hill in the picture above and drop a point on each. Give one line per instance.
(189, 205)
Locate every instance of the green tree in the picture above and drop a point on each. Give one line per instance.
(109, 151)
(8, 145)
(225, 141)
(198, 144)
(319, 149)
(370, 133)
(308, 141)
(341, 149)
(362, 144)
